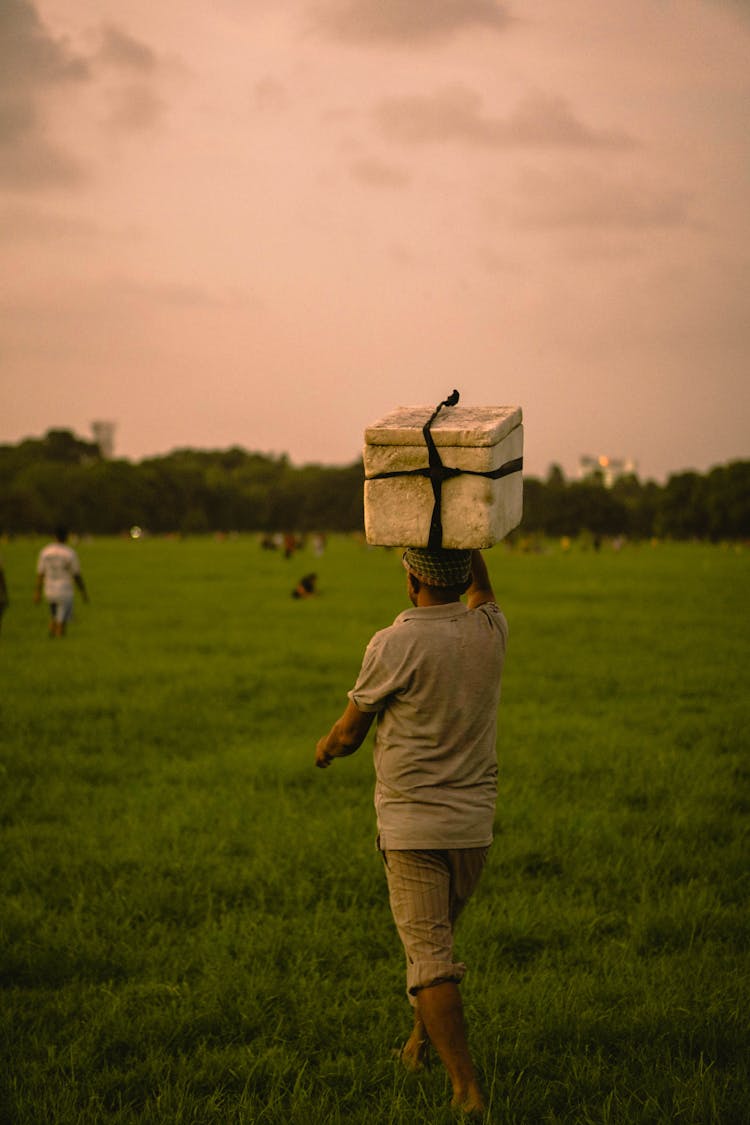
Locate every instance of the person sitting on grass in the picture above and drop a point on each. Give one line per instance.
(432, 678)
(57, 571)
(306, 587)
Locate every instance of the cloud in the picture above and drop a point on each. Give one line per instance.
(123, 51)
(29, 54)
(583, 199)
(135, 104)
(17, 117)
(25, 224)
(455, 115)
(135, 107)
(376, 173)
(32, 62)
(31, 162)
(406, 21)
(36, 67)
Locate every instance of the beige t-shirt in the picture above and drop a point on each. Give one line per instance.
(433, 677)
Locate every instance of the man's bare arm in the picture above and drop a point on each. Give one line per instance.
(345, 736)
(480, 590)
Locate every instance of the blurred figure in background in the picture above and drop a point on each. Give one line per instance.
(305, 588)
(319, 544)
(57, 573)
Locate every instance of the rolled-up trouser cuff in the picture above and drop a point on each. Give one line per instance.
(423, 974)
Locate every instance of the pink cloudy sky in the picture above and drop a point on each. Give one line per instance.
(268, 223)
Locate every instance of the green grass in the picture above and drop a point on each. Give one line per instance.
(193, 921)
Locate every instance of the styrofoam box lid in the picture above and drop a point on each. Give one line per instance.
(454, 425)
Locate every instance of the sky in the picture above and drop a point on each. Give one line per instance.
(270, 223)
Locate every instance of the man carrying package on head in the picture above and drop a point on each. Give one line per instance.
(432, 678)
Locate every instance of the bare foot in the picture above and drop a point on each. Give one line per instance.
(470, 1104)
(415, 1053)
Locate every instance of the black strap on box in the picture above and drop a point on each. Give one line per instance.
(437, 472)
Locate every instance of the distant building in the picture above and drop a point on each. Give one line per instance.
(609, 468)
(104, 436)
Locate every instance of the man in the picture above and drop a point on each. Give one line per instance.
(57, 571)
(433, 680)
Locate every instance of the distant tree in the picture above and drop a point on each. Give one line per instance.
(50, 494)
(638, 503)
(176, 488)
(62, 445)
(644, 517)
(682, 512)
(535, 495)
(727, 501)
(61, 478)
(597, 509)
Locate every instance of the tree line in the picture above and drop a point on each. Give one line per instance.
(60, 478)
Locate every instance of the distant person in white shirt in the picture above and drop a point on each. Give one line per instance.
(57, 571)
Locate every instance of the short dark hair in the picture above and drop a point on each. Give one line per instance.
(61, 533)
(444, 593)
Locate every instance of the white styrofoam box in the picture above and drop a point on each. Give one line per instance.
(476, 510)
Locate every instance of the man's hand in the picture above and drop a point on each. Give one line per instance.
(345, 736)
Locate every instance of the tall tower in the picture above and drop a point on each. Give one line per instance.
(104, 436)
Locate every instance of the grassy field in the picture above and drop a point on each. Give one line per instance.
(194, 925)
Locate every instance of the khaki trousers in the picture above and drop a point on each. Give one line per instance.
(427, 891)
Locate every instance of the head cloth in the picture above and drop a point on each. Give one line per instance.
(437, 566)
